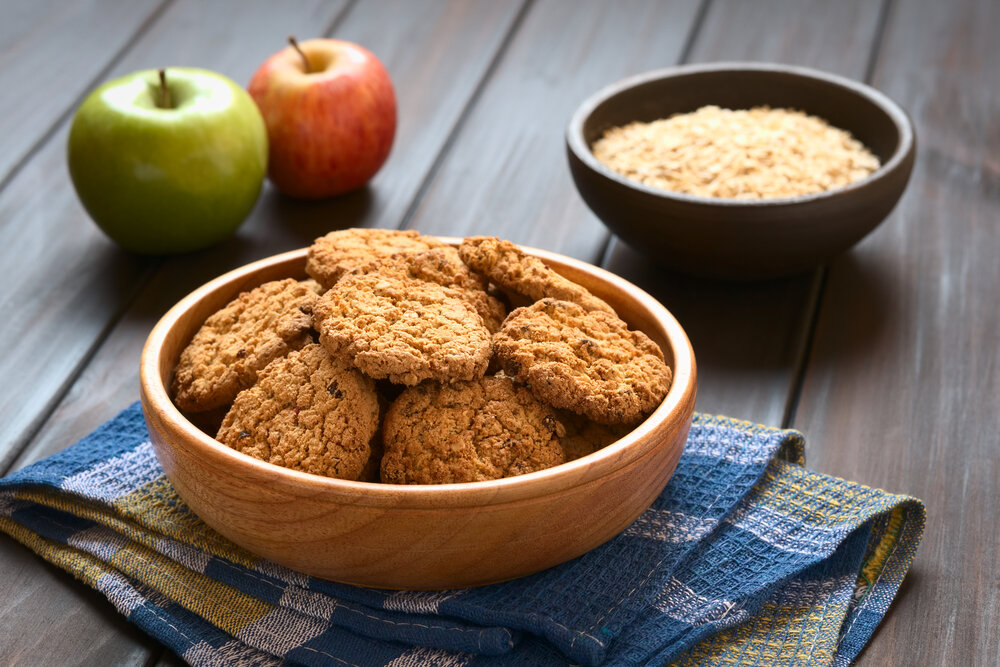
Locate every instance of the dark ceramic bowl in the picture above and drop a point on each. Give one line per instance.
(733, 238)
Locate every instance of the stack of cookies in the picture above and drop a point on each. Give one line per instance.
(397, 361)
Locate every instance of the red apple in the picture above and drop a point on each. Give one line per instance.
(330, 112)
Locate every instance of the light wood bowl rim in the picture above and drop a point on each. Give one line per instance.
(635, 445)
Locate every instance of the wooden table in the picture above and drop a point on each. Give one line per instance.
(888, 358)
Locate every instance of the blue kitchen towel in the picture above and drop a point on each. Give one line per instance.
(744, 558)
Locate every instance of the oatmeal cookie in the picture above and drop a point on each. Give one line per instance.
(508, 266)
(585, 362)
(444, 267)
(403, 329)
(586, 437)
(307, 412)
(468, 432)
(236, 342)
(333, 255)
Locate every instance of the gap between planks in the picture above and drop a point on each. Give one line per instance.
(820, 276)
(157, 652)
(148, 273)
(32, 431)
(98, 78)
(470, 104)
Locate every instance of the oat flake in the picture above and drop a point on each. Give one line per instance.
(760, 153)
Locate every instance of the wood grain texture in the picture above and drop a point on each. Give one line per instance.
(505, 173)
(71, 307)
(432, 93)
(96, 634)
(170, 659)
(50, 53)
(902, 390)
(833, 36)
(457, 41)
(748, 337)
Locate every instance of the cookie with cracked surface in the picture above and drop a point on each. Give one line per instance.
(489, 428)
(307, 412)
(239, 340)
(404, 329)
(588, 362)
(444, 267)
(513, 269)
(333, 255)
(585, 437)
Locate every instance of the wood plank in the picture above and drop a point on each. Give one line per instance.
(37, 597)
(748, 337)
(65, 286)
(432, 91)
(459, 39)
(832, 36)
(505, 173)
(76, 280)
(170, 659)
(50, 53)
(903, 387)
(436, 53)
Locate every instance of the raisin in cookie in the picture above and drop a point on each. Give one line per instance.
(585, 362)
(406, 330)
(468, 432)
(307, 412)
(508, 266)
(444, 267)
(236, 342)
(333, 255)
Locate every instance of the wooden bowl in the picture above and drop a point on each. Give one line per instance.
(733, 238)
(420, 536)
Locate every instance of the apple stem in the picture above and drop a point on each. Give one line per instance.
(295, 45)
(164, 91)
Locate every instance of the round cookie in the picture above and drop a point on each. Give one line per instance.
(239, 340)
(444, 267)
(585, 362)
(508, 266)
(307, 412)
(486, 429)
(333, 255)
(404, 329)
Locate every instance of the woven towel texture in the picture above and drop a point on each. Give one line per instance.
(745, 557)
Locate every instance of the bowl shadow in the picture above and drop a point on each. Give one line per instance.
(297, 222)
(750, 338)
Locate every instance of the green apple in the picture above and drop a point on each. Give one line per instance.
(168, 162)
